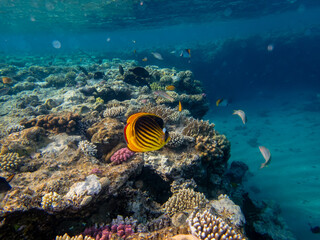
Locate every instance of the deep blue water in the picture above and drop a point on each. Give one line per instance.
(257, 54)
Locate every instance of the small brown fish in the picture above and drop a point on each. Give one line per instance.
(241, 114)
(266, 155)
(170, 88)
(6, 80)
(144, 59)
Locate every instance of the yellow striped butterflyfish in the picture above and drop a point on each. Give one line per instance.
(145, 132)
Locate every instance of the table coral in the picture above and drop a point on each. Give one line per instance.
(183, 200)
(208, 226)
(122, 155)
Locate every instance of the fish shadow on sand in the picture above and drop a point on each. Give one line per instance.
(253, 142)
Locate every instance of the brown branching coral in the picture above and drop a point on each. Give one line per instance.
(178, 140)
(183, 200)
(67, 122)
(161, 110)
(194, 128)
(217, 147)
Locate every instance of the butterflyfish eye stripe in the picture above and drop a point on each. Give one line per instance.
(146, 139)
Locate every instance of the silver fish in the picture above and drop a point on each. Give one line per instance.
(266, 155)
(164, 95)
(157, 55)
(241, 114)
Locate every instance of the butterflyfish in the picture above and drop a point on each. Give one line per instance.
(180, 107)
(145, 132)
(266, 155)
(241, 114)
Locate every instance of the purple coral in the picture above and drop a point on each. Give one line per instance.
(122, 155)
(104, 233)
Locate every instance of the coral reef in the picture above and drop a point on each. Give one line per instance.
(184, 199)
(205, 225)
(70, 142)
(122, 155)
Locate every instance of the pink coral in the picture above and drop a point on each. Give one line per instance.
(122, 155)
(104, 233)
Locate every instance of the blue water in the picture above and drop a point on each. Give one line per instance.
(263, 57)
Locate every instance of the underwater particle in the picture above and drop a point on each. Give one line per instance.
(50, 200)
(270, 47)
(108, 39)
(56, 44)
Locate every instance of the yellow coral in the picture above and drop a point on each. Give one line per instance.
(50, 200)
(79, 237)
(99, 100)
(9, 161)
